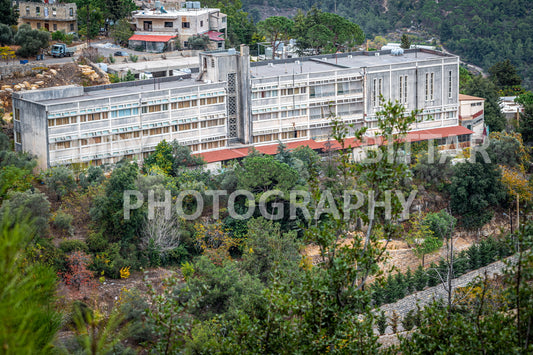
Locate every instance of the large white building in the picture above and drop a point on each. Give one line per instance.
(232, 104)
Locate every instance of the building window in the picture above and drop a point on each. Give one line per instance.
(450, 84)
(201, 23)
(427, 86)
(18, 138)
(71, 11)
(38, 25)
(54, 26)
(432, 86)
(17, 114)
(219, 44)
(377, 91)
(405, 89)
(54, 11)
(27, 11)
(169, 24)
(401, 88)
(38, 11)
(185, 44)
(71, 27)
(185, 25)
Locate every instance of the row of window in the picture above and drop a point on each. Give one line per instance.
(277, 136)
(137, 134)
(54, 11)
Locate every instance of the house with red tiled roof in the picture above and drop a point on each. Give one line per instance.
(161, 28)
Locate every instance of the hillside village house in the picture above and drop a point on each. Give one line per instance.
(160, 29)
(50, 16)
(232, 104)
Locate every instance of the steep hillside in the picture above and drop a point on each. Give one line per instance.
(483, 32)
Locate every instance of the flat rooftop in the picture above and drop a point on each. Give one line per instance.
(356, 60)
(105, 91)
(294, 67)
(156, 65)
(174, 12)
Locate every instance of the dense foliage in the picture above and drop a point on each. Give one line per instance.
(482, 32)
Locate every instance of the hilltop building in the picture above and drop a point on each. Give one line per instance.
(50, 16)
(160, 29)
(232, 104)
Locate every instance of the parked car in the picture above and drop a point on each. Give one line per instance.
(121, 54)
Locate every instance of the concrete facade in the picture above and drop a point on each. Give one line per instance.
(52, 17)
(233, 103)
(472, 114)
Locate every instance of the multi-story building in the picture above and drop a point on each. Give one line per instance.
(472, 114)
(233, 104)
(52, 17)
(160, 28)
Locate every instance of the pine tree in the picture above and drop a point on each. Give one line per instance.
(406, 42)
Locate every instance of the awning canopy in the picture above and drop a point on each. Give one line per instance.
(215, 36)
(152, 38)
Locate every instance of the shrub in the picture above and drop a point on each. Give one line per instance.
(134, 58)
(97, 243)
(382, 323)
(63, 221)
(58, 36)
(394, 321)
(68, 246)
(61, 180)
(408, 322)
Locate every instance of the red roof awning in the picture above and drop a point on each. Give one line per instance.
(151, 38)
(215, 36)
(272, 149)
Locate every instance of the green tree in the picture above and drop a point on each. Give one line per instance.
(108, 208)
(482, 87)
(29, 205)
(504, 75)
(526, 124)
(6, 35)
(30, 41)
(276, 29)
(121, 32)
(27, 294)
(198, 42)
(405, 42)
(267, 249)
(7, 13)
(325, 32)
(259, 174)
(422, 239)
(441, 224)
(61, 180)
(475, 189)
(162, 158)
(90, 15)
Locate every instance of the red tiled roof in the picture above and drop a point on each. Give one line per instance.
(215, 36)
(271, 149)
(436, 133)
(151, 38)
(224, 154)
